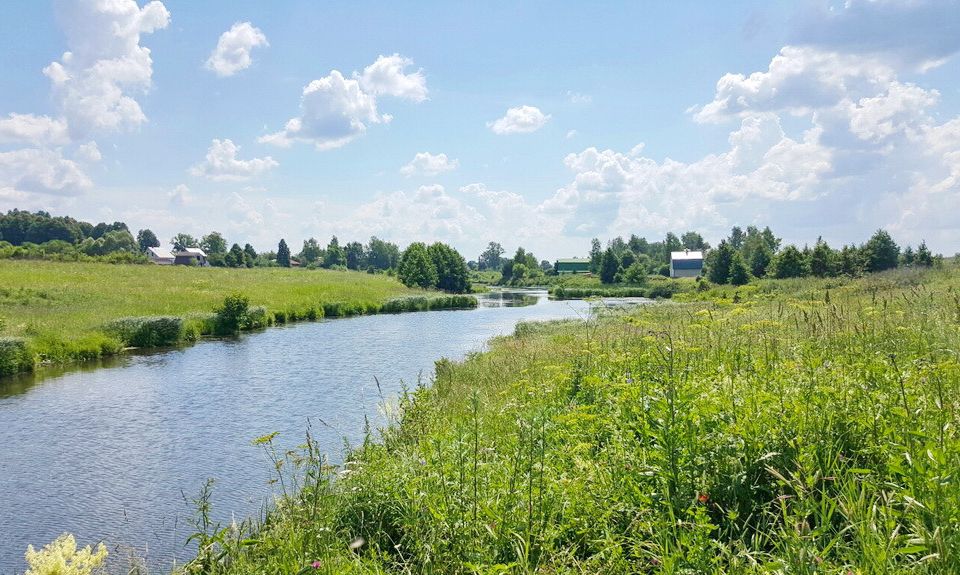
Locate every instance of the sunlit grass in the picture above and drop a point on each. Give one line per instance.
(812, 427)
(62, 308)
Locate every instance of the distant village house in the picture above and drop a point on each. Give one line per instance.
(686, 264)
(160, 256)
(190, 257)
(572, 266)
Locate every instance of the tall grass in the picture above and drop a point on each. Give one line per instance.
(801, 430)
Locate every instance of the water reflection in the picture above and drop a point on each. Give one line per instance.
(107, 451)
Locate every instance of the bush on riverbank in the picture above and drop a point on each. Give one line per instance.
(15, 355)
(147, 331)
(656, 289)
(798, 433)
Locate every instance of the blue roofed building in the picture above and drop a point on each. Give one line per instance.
(686, 264)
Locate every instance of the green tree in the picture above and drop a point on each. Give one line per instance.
(822, 260)
(671, 243)
(283, 254)
(739, 274)
(334, 254)
(609, 266)
(491, 258)
(213, 243)
(382, 255)
(760, 260)
(882, 253)
(416, 267)
(235, 257)
(907, 257)
(718, 263)
(596, 254)
(850, 262)
(147, 239)
(355, 256)
(636, 274)
(249, 256)
(737, 238)
(693, 241)
(924, 257)
(789, 263)
(311, 251)
(182, 241)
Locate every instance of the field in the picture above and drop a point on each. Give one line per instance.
(806, 426)
(61, 308)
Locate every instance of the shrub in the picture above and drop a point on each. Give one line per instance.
(147, 331)
(258, 317)
(232, 315)
(15, 355)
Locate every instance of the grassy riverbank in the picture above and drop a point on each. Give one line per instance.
(810, 428)
(62, 312)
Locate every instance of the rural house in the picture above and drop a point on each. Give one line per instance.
(190, 257)
(161, 256)
(686, 264)
(572, 266)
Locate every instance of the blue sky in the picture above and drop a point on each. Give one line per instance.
(532, 124)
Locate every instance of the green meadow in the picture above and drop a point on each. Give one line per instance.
(801, 426)
(57, 312)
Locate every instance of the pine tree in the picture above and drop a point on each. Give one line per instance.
(924, 257)
(882, 253)
(739, 275)
(719, 260)
(283, 254)
(609, 266)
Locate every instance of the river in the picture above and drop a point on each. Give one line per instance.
(110, 453)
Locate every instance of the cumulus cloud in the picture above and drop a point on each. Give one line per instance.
(387, 77)
(335, 110)
(519, 120)
(221, 163)
(428, 164)
(41, 171)
(89, 152)
(96, 80)
(33, 130)
(232, 53)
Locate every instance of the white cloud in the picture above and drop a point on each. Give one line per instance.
(222, 164)
(429, 165)
(180, 196)
(798, 81)
(94, 80)
(232, 53)
(578, 98)
(335, 110)
(33, 130)
(519, 120)
(41, 171)
(386, 77)
(571, 134)
(89, 152)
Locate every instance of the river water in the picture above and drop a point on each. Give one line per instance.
(110, 453)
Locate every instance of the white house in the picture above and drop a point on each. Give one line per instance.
(161, 256)
(686, 264)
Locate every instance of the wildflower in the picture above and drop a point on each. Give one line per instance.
(316, 564)
(703, 498)
(357, 543)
